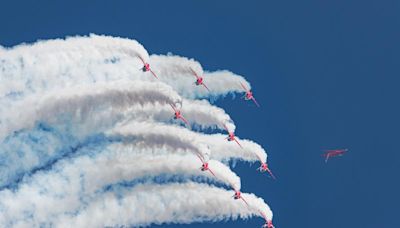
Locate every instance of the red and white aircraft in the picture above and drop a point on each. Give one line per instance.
(333, 153)
(178, 115)
(199, 80)
(231, 136)
(268, 223)
(205, 166)
(264, 168)
(238, 195)
(249, 95)
(146, 67)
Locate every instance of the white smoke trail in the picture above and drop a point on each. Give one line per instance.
(218, 147)
(58, 63)
(251, 151)
(199, 113)
(82, 109)
(85, 133)
(55, 64)
(158, 135)
(165, 162)
(87, 175)
(74, 114)
(203, 113)
(176, 68)
(83, 101)
(139, 206)
(176, 203)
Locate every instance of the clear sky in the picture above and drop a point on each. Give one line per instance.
(326, 74)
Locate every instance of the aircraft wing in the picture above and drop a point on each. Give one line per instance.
(244, 200)
(153, 74)
(270, 173)
(255, 101)
(195, 74)
(263, 215)
(238, 143)
(184, 120)
(140, 57)
(259, 158)
(340, 152)
(244, 87)
(327, 157)
(200, 157)
(173, 107)
(211, 172)
(333, 154)
(226, 128)
(206, 87)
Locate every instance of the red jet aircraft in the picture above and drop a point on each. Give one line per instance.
(264, 168)
(249, 95)
(231, 136)
(205, 166)
(238, 195)
(268, 223)
(146, 67)
(178, 115)
(333, 153)
(199, 80)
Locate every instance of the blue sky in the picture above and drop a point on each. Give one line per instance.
(325, 72)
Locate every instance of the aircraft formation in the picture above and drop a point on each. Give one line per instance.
(230, 137)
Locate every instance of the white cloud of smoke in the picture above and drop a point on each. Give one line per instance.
(85, 133)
